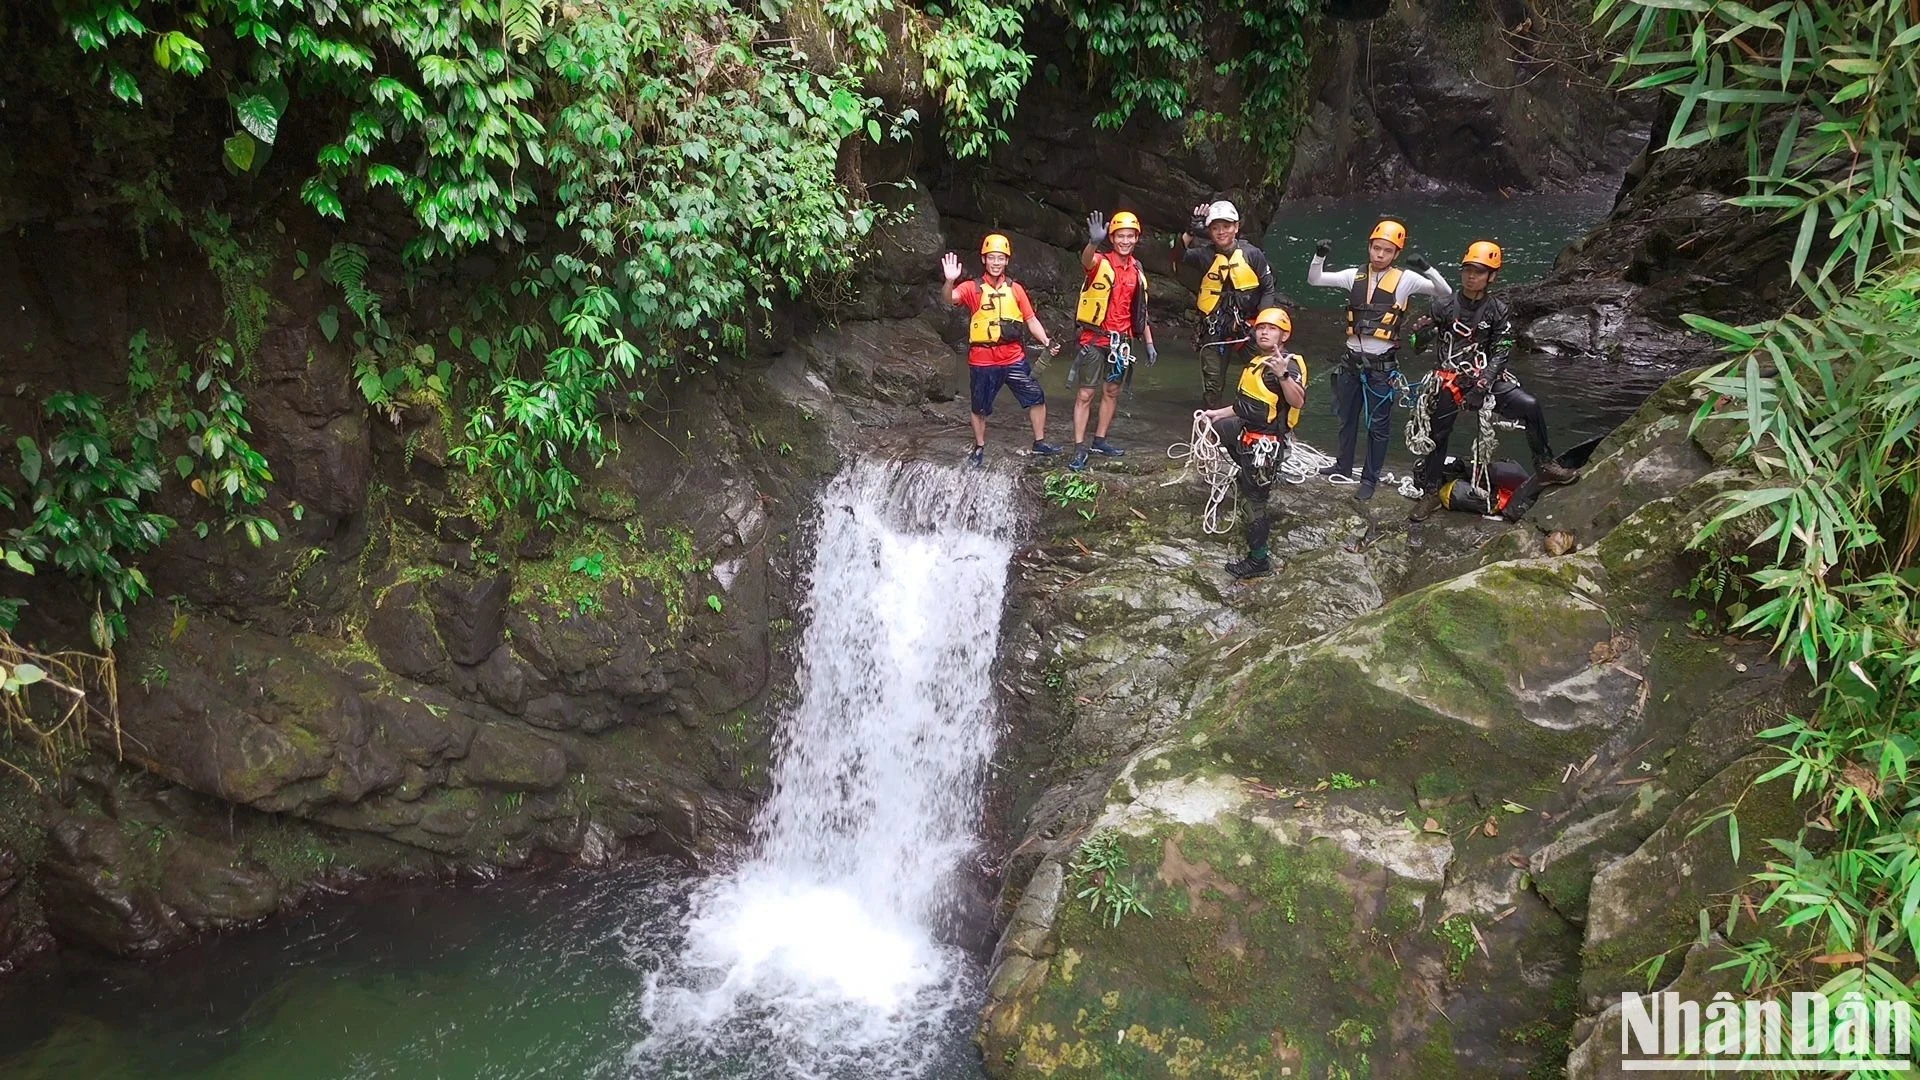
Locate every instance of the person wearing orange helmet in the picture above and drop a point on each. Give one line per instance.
(1001, 317)
(1474, 331)
(1112, 314)
(1377, 299)
(1236, 283)
(1253, 429)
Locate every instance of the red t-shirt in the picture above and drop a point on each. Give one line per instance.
(1126, 289)
(967, 295)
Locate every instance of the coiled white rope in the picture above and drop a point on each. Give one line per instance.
(1207, 459)
(1420, 423)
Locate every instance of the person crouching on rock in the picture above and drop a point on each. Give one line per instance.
(1266, 404)
(1113, 322)
(1377, 297)
(1236, 282)
(1475, 334)
(1002, 317)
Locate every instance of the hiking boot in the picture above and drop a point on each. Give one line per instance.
(1335, 470)
(1105, 448)
(1079, 462)
(1248, 568)
(1365, 493)
(978, 457)
(1429, 502)
(1043, 448)
(1552, 472)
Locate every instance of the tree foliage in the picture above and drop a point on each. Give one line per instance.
(1825, 97)
(683, 168)
(1155, 54)
(1826, 400)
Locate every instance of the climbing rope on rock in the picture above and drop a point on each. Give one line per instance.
(1207, 459)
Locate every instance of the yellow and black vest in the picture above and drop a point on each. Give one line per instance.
(1099, 293)
(1377, 314)
(1259, 406)
(997, 320)
(1228, 272)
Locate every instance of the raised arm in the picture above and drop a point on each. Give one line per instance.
(1426, 279)
(1096, 235)
(1317, 274)
(950, 266)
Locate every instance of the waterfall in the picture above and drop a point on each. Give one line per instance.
(820, 956)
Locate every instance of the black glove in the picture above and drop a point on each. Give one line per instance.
(1417, 341)
(1323, 249)
(1419, 262)
(1096, 229)
(1199, 225)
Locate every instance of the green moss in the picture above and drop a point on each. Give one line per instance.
(1435, 1059)
(1252, 946)
(1403, 908)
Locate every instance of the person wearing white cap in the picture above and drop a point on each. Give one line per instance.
(1236, 283)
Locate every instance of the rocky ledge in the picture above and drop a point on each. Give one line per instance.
(1381, 821)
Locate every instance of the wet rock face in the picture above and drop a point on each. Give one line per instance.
(22, 929)
(1420, 94)
(1671, 246)
(1360, 797)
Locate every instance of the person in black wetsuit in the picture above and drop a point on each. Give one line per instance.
(1236, 282)
(1253, 430)
(1474, 329)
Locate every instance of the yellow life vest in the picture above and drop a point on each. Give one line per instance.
(1370, 316)
(998, 309)
(1260, 405)
(1099, 293)
(1229, 271)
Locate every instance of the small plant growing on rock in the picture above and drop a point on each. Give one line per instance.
(1071, 491)
(1721, 587)
(1457, 933)
(1100, 864)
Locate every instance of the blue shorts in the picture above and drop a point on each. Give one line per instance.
(1017, 377)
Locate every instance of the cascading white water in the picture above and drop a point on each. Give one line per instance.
(820, 956)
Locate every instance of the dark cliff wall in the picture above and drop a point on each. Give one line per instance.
(1484, 95)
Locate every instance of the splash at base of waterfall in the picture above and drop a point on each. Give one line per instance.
(821, 956)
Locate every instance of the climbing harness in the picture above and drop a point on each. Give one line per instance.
(1120, 353)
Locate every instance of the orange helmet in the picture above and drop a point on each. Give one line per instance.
(1482, 253)
(996, 244)
(1274, 316)
(1391, 231)
(1125, 219)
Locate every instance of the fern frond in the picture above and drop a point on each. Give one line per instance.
(524, 22)
(347, 268)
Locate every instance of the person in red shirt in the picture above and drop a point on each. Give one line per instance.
(1113, 318)
(1002, 317)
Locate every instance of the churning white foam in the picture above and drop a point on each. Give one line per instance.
(820, 956)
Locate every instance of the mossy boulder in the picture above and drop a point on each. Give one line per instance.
(1470, 684)
(1648, 904)
(1274, 945)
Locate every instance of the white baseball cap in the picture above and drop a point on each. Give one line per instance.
(1222, 211)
